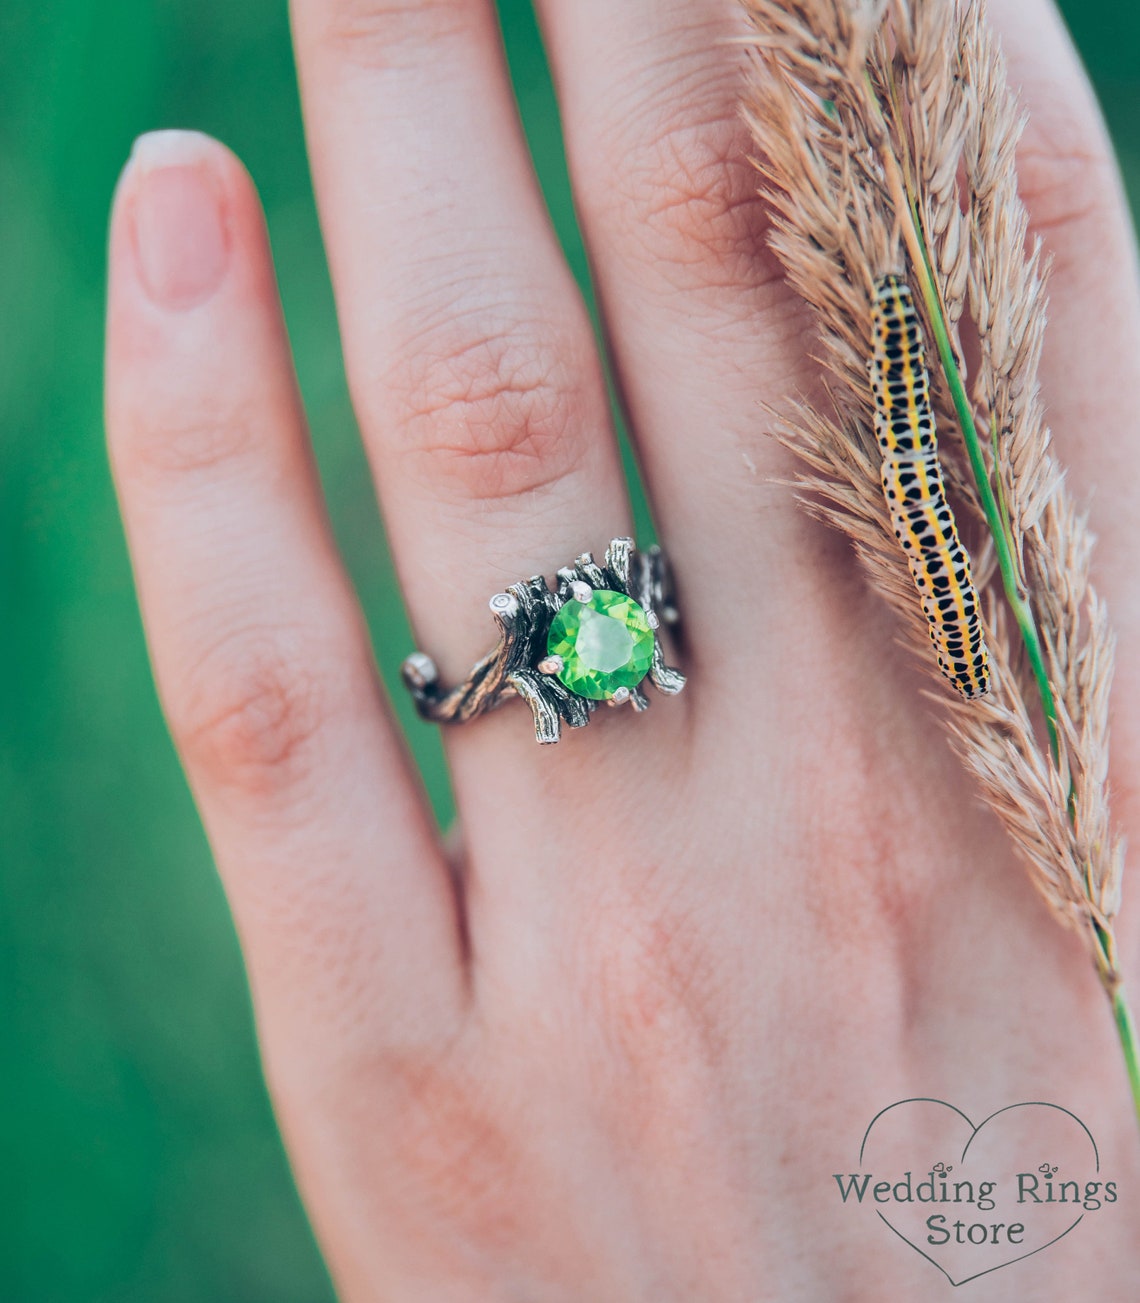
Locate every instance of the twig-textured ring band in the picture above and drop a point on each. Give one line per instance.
(595, 638)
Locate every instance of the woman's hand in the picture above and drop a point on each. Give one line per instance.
(614, 1047)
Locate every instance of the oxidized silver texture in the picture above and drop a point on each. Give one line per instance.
(524, 613)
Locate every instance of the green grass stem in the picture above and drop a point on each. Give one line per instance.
(997, 518)
(1126, 1030)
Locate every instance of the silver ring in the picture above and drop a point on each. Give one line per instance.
(595, 638)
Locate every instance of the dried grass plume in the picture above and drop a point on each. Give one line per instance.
(885, 138)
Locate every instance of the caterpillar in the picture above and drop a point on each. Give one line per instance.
(916, 495)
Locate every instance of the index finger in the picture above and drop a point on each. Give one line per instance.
(262, 659)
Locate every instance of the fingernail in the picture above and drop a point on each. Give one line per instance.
(179, 226)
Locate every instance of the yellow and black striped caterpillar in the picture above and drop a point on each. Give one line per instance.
(916, 496)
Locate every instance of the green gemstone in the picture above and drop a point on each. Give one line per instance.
(605, 644)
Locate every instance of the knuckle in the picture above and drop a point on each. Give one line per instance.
(1066, 171)
(684, 193)
(457, 1147)
(693, 202)
(492, 413)
(211, 434)
(458, 1152)
(377, 34)
(652, 977)
(247, 717)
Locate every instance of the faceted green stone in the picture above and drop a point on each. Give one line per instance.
(605, 644)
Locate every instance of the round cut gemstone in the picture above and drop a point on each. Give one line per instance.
(605, 644)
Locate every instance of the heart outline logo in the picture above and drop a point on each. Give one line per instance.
(975, 1130)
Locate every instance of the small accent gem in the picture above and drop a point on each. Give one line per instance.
(605, 644)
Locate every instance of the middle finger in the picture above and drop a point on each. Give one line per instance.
(705, 333)
(468, 349)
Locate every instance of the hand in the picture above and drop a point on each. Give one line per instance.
(614, 1046)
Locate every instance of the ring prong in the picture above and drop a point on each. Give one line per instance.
(620, 697)
(581, 592)
(550, 665)
(652, 620)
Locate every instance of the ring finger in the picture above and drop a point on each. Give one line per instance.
(469, 352)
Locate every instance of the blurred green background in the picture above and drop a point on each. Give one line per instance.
(140, 1163)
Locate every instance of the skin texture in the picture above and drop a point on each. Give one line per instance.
(615, 1046)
